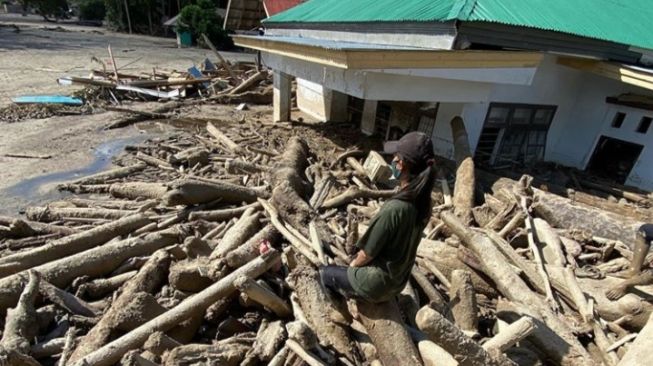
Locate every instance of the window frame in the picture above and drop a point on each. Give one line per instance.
(508, 127)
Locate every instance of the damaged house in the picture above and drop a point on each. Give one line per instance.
(558, 81)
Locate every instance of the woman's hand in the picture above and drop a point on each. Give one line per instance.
(361, 259)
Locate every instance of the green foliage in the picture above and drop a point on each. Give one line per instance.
(91, 9)
(47, 8)
(202, 18)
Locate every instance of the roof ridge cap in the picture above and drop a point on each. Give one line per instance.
(462, 9)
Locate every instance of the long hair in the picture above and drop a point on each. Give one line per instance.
(418, 192)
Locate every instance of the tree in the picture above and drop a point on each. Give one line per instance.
(47, 8)
(202, 18)
(90, 9)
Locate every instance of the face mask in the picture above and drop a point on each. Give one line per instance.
(396, 173)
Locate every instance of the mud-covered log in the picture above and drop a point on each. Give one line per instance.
(47, 348)
(140, 308)
(138, 190)
(561, 212)
(291, 188)
(115, 173)
(94, 262)
(21, 322)
(629, 211)
(511, 286)
(463, 302)
(431, 353)
(305, 355)
(388, 333)
(446, 259)
(551, 243)
(190, 275)
(263, 296)
(148, 278)
(511, 335)
(466, 351)
(250, 249)
(158, 343)
(239, 166)
(529, 270)
(49, 214)
(244, 228)
(72, 244)
(111, 352)
(223, 139)
(269, 338)
(66, 300)
(222, 214)
(100, 287)
(430, 291)
(23, 228)
(220, 353)
(354, 193)
(465, 186)
(325, 317)
(639, 352)
(192, 192)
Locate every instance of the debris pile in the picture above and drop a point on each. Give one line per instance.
(208, 81)
(110, 89)
(203, 249)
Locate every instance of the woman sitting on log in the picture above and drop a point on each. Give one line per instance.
(387, 252)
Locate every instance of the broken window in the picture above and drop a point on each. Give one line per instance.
(644, 124)
(618, 119)
(514, 133)
(614, 159)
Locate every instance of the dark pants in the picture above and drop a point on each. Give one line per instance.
(335, 278)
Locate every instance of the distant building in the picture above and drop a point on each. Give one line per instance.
(246, 15)
(557, 80)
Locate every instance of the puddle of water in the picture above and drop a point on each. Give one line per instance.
(42, 188)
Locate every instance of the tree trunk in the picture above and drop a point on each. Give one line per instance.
(192, 192)
(323, 315)
(136, 190)
(465, 186)
(387, 330)
(463, 300)
(511, 335)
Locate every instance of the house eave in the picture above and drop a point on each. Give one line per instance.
(369, 56)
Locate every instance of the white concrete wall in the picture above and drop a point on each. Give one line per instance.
(312, 100)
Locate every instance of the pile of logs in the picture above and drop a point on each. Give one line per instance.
(203, 248)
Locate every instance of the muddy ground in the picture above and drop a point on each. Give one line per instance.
(30, 62)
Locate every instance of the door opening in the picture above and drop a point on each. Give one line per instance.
(614, 159)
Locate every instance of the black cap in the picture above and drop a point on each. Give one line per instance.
(415, 147)
(647, 231)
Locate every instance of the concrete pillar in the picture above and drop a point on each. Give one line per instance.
(368, 121)
(338, 107)
(281, 96)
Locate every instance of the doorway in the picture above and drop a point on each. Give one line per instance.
(614, 159)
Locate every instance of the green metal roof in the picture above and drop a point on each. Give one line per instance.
(620, 21)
